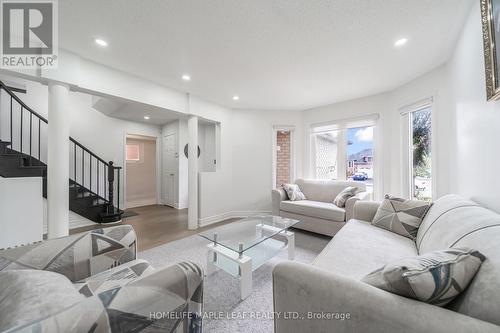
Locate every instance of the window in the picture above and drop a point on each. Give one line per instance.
(360, 155)
(344, 150)
(420, 154)
(283, 164)
(133, 153)
(324, 146)
(283, 155)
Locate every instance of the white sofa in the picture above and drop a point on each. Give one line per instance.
(332, 283)
(318, 213)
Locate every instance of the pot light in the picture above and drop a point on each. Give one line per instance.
(186, 77)
(236, 98)
(401, 42)
(101, 42)
(146, 117)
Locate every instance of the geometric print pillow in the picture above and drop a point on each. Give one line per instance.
(345, 194)
(401, 216)
(293, 191)
(435, 277)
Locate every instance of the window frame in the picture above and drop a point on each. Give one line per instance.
(407, 146)
(140, 153)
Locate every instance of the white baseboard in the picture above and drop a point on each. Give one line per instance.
(180, 205)
(141, 202)
(203, 222)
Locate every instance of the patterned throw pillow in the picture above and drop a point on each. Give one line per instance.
(293, 191)
(436, 277)
(345, 194)
(401, 216)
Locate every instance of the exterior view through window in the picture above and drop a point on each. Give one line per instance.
(420, 154)
(283, 158)
(360, 155)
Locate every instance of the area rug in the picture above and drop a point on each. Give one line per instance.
(221, 294)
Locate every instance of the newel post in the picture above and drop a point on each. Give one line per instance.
(111, 180)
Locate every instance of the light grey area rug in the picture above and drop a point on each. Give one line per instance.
(221, 290)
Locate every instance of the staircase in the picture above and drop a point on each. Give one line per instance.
(92, 180)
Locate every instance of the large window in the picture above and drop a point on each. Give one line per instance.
(360, 155)
(344, 151)
(420, 154)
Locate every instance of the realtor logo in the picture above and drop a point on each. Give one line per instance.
(29, 34)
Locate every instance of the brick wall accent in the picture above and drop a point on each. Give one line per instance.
(282, 158)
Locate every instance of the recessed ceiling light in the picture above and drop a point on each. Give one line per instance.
(186, 77)
(146, 117)
(101, 42)
(236, 98)
(401, 42)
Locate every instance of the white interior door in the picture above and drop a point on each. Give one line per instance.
(170, 156)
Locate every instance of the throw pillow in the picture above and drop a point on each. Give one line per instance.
(293, 191)
(345, 194)
(401, 216)
(435, 277)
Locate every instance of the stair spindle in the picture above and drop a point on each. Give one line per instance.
(31, 126)
(21, 131)
(11, 143)
(39, 121)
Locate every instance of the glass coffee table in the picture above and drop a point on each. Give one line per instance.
(240, 248)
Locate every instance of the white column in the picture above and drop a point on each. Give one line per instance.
(58, 161)
(193, 172)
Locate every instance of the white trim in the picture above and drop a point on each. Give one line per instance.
(202, 222)
(178, 205)
(141, 202)
(345, 123)
(420, 104)
(406, 127)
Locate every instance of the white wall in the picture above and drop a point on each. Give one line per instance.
(252, 150)
(475, 143)
(21, 211)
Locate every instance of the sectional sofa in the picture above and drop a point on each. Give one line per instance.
(331, 285)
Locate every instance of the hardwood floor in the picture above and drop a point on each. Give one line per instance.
(156, 225)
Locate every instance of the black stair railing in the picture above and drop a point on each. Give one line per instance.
(26, 133)
(24, 125)
(95, 174)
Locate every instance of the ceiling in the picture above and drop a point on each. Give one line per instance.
(133, 111)
(274, 54)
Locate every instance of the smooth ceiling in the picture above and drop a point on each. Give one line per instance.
(274, 54)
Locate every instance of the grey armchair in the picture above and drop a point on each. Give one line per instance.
(94, 282)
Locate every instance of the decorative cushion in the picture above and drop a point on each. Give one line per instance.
(345, 194)
(293, 191)
(401, 216)
(29, 295)
(435, 277)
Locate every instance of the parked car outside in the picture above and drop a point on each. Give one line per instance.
(360, 176)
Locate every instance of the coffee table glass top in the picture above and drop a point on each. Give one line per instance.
(248, 232)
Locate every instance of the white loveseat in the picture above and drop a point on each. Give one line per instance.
(318, 213)
(332, 283)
